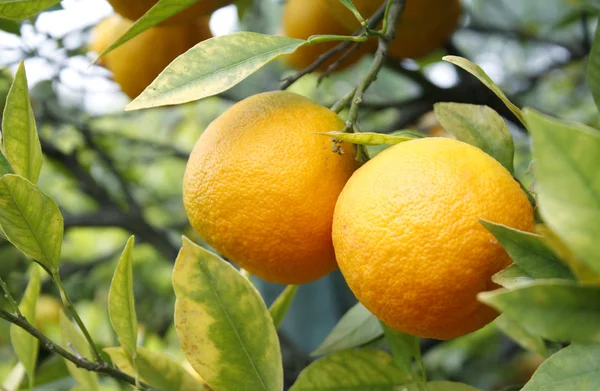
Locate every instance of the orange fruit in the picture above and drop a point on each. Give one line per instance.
(135, 9)
(260, 186)
(424, 25)
(408, 239)
(303, 18)
(137, 62)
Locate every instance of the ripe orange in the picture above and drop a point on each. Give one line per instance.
(424, 25)
(260, 187)
(136, 63)
(408, 240)
(303, 18)
(135, 9)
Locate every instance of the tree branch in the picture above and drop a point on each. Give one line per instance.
(99, 367)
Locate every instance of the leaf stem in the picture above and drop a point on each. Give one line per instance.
(316, 39)
(10, 298)
(69, 306)
(99, 367)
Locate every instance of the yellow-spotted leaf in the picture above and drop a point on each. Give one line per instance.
(282, 304)
(557, 310)
(233, 58)
(162, 10)
(223, 325)
(576, 367)
(26, 346)
(476, 71)
(479, 126)
(157, 370)
(121, 304)
(367, 138)
(31, 220)
(21, 144)
(357, 327)
(568, 185)
(21, 9)
(72, 339)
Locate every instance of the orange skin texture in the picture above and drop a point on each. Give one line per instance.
(303, 18)
(136, 63)
(135, 9)
(260, 187)
(424, 25)
(408, 240)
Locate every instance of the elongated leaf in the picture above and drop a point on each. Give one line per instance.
(529, 252)
(26, 346)
(576, 367)
(121, 304)
(31, 220)
(233, 58)
(366, 138)
(476, 71)
(21, 143)
(162, 10)
(566, 168)
(446, 386)
(156, 369)
(218, 314)
(511, 277)
(282, 304)
(73, 340)
(356, 328)
(13, 380)
(479, 126)
(21, 9)
(405, 349)
(557, 310)
(593, 68)
(521, 336)
(355, 369)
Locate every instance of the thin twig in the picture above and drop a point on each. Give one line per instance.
(340, 48)
(99, 367)
(10, 297)
(393, 10)
(340, 60)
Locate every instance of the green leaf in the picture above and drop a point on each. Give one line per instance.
(223, 325)
(405, 349)
(568, 185)
(476, 71)
(121, 303)
(31, 220)
(282, 304)
(355, 369)
(72, 339)
(21, 9)
(521, 336)
(26, 346)
(161, 11)
(12, 382)
(556, 310)
(233, 58)
(10, 26)
(593, 69)
(479, 126)
(576, 367)
(5, 167)
(21, 143)
(367, 138)
(356, 328)
(446, 386)
(529, 252)
(511, 277)
(156, 369)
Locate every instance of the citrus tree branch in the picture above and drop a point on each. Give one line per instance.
(340, 48)
(99, 367)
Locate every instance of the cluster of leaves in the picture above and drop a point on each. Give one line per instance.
(549, 296)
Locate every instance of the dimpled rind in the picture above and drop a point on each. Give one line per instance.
(260, 187)
(408, 239)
